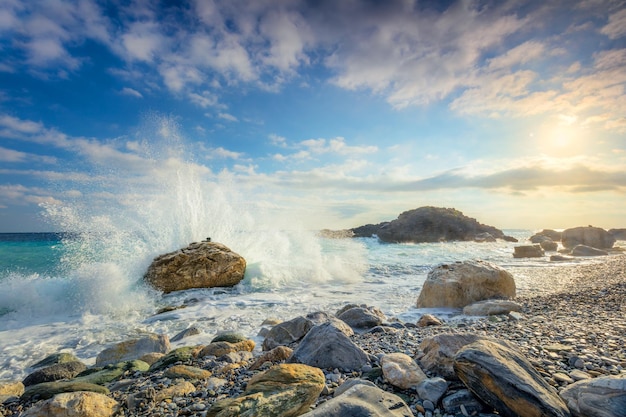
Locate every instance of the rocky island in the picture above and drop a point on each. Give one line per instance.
(431, 224)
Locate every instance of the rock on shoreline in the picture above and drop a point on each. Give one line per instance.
(572, 343)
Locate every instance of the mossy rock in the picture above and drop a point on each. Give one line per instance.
(182, 354)
(56, 358)
(111, 372)
(48, 390)
(230, 337)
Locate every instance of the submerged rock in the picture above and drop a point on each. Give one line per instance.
(491, 307)
(504, 379)
(582, 250)
(462, 283)
(199, 265)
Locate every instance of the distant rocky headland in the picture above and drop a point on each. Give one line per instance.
(427, 224)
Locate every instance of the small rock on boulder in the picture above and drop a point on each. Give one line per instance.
(598, 397)
(461, 283)
(504, 379)
(199, 265)
(595, 237)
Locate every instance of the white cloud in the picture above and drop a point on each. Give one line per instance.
(205, 99)
(222, 153)
(131, 92)
(336, 146)
(616, 27)
(20, 126)
(277, 140)
(227, 116)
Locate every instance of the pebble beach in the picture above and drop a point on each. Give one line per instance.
(576, 333)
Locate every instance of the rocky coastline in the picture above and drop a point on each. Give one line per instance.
(567, 337)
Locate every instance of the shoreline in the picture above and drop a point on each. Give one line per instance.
(589, 316)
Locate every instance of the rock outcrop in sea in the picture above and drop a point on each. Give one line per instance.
(431, 224)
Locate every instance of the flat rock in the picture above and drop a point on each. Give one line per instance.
(462, 283)
(187, 372)
(598, 397)
(504, 379)
(218, 349)
(363, 400)
(491, 308)
(111, 372)
(583, 250)
(47, 390)
(528, 251)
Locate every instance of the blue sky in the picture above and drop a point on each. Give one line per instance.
(339, 113)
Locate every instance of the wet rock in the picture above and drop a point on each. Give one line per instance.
(133, 349)
(199, 265)
(283, 390)
(461, 400)
(462, 283)
(66, 370)
(230, 337)
(363, 400)
(10, 389)
(191, 331)
(327, 346)
(75, 404)
(401, 370)
(598, 397)
(504, 379)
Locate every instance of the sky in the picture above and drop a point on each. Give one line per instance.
(336, 113)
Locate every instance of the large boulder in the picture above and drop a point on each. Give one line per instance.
(287, 332)
(361, 317)
(598, 397)
(595, 237)
(56, 372)
(528, 251)
(546, 234)
(504, 379)
(199, 265)
(284, 390)
(461, 283)
(429, 224)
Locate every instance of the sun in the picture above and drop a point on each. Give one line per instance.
(563, 137)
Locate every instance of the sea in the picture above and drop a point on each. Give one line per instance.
(81, 289)
(82, 292)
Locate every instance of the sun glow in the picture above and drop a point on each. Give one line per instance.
(565, 137)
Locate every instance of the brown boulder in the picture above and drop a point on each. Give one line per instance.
(199, 265)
